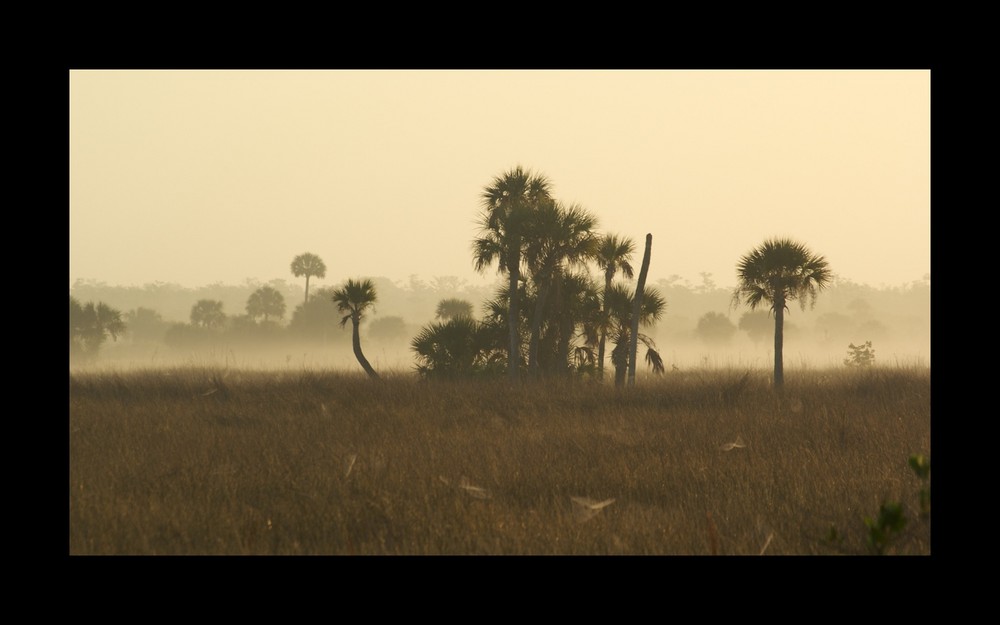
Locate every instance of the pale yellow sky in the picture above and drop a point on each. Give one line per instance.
(198, 177)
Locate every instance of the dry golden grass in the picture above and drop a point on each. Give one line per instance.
(201, 461)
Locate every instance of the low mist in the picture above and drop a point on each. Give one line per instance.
(698, 330)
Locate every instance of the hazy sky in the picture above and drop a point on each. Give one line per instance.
(198, 177)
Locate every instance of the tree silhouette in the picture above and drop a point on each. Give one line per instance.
(508, 204)
(387, 329)
(757, 324)
(614, 254)
(207, 313)
(266, 302)
(575, 312)
(779, 271)
(453, 308)
(459, 347)
(316, 319)
(146, 324)
(557, 237)
(715, 328)
(355, 298)
(308, 265)
(621, 306)
(90, 326)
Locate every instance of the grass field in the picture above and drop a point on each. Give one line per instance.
(206, 461)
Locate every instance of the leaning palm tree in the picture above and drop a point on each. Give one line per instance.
(308, 265)
(778, 271)
(355, 298)
(614, 254)
(508, 203)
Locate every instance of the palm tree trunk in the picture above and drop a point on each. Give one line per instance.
(636, 308)
(620, 375)
(779, 340)
(356, 339)
(307, 288)
(536, 328)
(604, 330)
(566, 326)
(514, 311)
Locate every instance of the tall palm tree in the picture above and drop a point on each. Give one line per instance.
(308, 265)
(508, 204)
(355, 298)
(614, 254)
(559, 237)
(780, 270)
(265, 302)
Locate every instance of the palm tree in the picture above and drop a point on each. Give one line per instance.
(778, 271)
(453, 308)
(558, 237)
(265, 302)
(458, 347)
(308, 265)
(614, 254)
(355, 298)
(621, 304)
(496, 326)
(508, 203)
(576, 308)
(207, 313)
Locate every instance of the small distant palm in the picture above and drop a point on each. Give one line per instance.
(355, 298)
(308, 265)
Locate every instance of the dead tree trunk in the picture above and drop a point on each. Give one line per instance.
(633, 346)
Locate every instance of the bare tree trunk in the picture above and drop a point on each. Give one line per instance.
(356, 339)
(633, 347)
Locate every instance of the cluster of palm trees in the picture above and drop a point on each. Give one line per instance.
(550, 317)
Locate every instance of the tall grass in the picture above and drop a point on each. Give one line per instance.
(211, 461)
